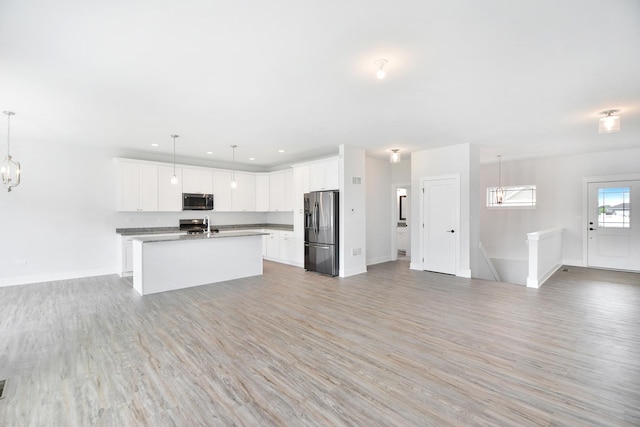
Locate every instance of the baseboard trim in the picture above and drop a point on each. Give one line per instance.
(353, 271)
(379, 260)
(52, 277)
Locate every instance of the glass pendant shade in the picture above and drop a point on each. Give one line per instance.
(10, 169)
(609, 124)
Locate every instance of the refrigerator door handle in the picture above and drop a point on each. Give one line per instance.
(317, 218)
(317, 246)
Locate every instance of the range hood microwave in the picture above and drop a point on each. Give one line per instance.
(197, 202)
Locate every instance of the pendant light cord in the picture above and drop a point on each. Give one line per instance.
(9, 114)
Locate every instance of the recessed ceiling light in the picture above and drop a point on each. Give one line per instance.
(209, 152)
(155, 145)
(252, 158)
(280, 151)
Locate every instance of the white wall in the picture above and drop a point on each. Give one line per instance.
(452, 160)
(353, 221)
(379, 204)
(559, 182)
(60, 221)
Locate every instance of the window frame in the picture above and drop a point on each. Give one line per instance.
(491, 190)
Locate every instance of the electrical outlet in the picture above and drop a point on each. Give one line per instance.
(356, 251)
(21, 261)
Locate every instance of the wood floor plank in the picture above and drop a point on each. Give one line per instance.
(389, 347)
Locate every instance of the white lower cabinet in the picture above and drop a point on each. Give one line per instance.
(402, 240)
(125, 252)
(278, 246)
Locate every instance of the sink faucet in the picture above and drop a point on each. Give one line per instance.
(208, 221)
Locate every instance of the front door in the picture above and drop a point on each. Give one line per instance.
(440, 222)
(613, 227)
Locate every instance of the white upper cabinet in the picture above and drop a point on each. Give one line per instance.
(169, 195)
(276, 192)
(262, 192)
(243, 197)
(324, 175)
(197, 181)
(222, 190)
(137, 186)
(288, 190)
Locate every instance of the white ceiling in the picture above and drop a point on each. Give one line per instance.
(519, 78)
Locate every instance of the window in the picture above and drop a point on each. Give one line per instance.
(614, 207)
(514, 197)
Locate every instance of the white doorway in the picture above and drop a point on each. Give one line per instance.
(613, 228)
(441, 224)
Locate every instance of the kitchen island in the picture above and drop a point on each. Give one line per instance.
(176, 262)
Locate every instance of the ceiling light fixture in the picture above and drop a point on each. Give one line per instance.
(174, 178)
(10, 168)
(610, 123)
(155, 145)
(499, 190)
(380, 63)
(234, 183)
(395, 156)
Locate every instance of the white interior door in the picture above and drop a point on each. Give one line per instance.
(441, 224)
(613, 228)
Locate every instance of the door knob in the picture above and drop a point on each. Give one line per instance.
(451, 231)
(591, 229)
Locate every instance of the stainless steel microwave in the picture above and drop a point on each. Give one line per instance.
(197, 202)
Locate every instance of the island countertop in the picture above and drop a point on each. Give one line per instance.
(140, 231)
(200, 236)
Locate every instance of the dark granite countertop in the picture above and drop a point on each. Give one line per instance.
(205, 236)
(142, 231)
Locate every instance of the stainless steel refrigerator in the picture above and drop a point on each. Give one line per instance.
(321, 232)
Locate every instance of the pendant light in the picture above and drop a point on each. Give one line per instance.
(610, 123)
(174, 178)
(499, 190)
(395, 156)
(10, 168)
(234, 184)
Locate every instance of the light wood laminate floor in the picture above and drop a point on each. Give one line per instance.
(391, 347)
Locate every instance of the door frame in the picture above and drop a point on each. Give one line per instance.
(456, 178)
(585, 205)
(395, 218)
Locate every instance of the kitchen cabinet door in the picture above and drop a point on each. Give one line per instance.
(197, 181)
(276, 192)
(262, 192)
(273, 244)
(243, 197)
(288, 190)
(286, 247)
(324, 175)
(137, 186)
(169, 195)
(221, 191)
